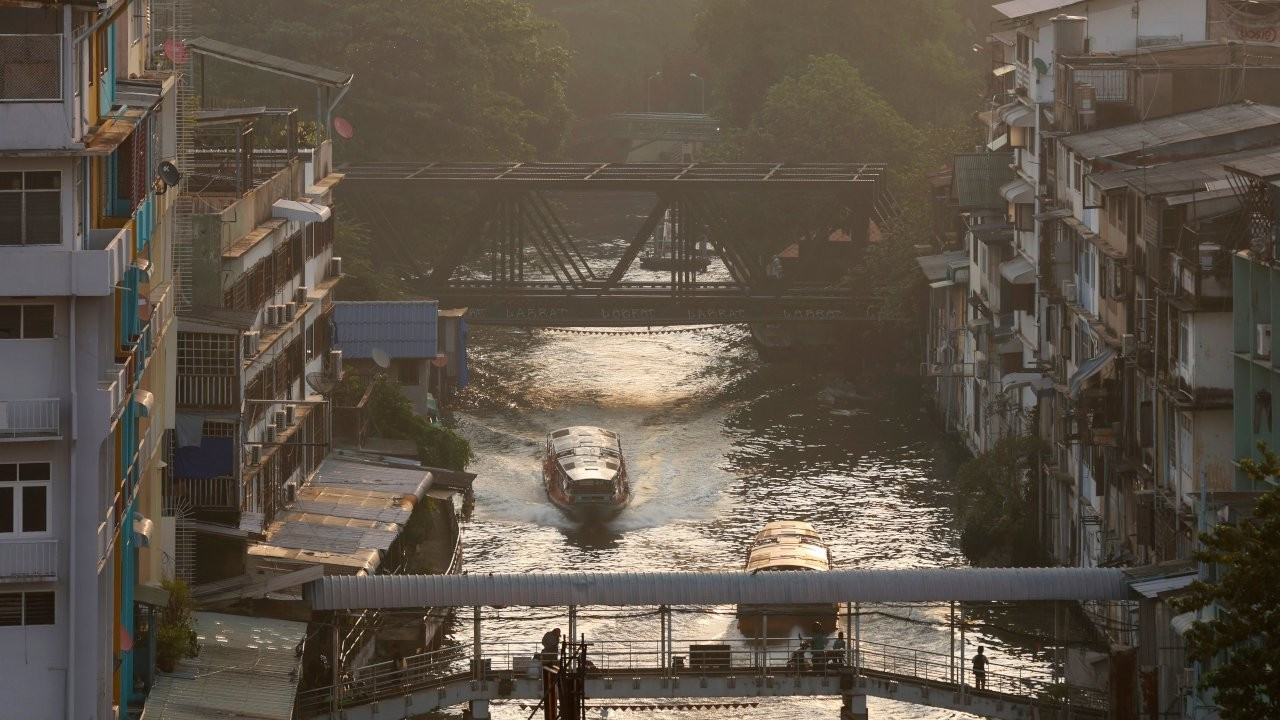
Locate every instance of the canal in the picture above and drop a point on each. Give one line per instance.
(717, 444)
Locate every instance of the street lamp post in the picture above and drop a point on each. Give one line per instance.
(648, 91)
(702, 84)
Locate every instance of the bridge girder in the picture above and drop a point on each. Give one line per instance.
(517, 233)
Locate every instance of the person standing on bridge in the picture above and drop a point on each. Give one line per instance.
(550, 646)
(980, 670)
(818, 647)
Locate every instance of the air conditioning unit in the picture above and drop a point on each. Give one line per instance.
(280, 421)
(290, 414)
(1069, 291)
(290, 311)
(271, 316)
(1264, 341)
(250, 344)
(1128, 344)
(300, 295)
(290, 491)
(335, 363)
(335, 266)
(269, 435)
(1187, 678)
(255, 454)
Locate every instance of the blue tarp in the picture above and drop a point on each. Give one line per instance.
(211, 458)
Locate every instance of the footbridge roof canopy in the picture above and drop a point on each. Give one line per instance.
(718, 588)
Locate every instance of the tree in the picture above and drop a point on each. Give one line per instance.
(391, 415)
(995, 504)
(434, 79)
(912, 52)
(1238, 639)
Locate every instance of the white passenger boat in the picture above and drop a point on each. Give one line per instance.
(584, 473)
(787, 546)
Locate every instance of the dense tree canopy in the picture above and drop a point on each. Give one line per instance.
(907, 50)
(1238, 641)
(439, 79)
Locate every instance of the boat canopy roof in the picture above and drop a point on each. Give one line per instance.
(584, 439)
(788, 545)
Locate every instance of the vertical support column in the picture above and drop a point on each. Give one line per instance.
(662, 639)
(670, 649)
(479, 710)
(962, 649)
(848, 633)
(335, 653)
(857, 638)
(764, 630)
(477, 662)
(854, 708)
(573, 624)
(953, 640)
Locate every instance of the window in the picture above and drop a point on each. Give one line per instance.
(1024, 49)
(26, 322)
(1024, 215)
(138, 22)
(24, 497)
(31, 208)
(1184, 340)
(26, 608)
(407, 371)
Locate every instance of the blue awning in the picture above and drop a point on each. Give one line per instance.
(1091, 367)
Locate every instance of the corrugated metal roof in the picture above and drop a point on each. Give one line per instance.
(247, 668)
(1263, 167)
(717, 588)
(1181, 176)
(978, 177)
(346, 516)
(1022, 8)
(403, 329)
(935, 266)
(273, 63)
(1154, 588)
(1217, 121)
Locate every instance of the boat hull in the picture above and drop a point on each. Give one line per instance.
(785, 621)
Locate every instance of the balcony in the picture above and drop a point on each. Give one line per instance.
(28, 560)
(30, 420)
(32, 107)
(59, 271)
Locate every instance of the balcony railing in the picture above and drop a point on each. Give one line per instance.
(28, 560)
(35, 419)
(30, 68)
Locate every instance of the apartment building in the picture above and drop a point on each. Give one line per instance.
(253, 351)
(88, 180)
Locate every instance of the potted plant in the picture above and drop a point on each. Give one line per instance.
(176, 633)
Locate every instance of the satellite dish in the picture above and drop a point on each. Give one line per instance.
(322, 383)
(168, 172)
(1041, 66)
(380, 358)
(343, 127)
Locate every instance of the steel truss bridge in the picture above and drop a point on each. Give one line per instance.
(668, 671)
(535, 273)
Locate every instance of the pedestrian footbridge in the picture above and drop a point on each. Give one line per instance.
(665, 670)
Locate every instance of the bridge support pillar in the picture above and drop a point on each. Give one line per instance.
(479, 710)
(854, 708)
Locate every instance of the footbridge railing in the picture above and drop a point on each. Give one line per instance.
(780, 667)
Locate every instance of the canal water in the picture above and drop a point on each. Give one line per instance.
(717, 444)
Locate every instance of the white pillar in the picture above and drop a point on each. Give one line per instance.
(854, 708)
(479, 710)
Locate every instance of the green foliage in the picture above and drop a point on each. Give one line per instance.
(175, 634)
(1239, 638)
(995, 501)
(391, 415)
(909, 51)
(362, 279)
(434, 79)
(618, 44)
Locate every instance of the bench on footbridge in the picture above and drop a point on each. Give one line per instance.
(707, 669)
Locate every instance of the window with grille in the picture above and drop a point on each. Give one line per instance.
(26, 608)
(24, 498)
(206, 354)
(219, 428)
(31, 208)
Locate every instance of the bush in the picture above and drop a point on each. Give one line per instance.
(176, 634)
